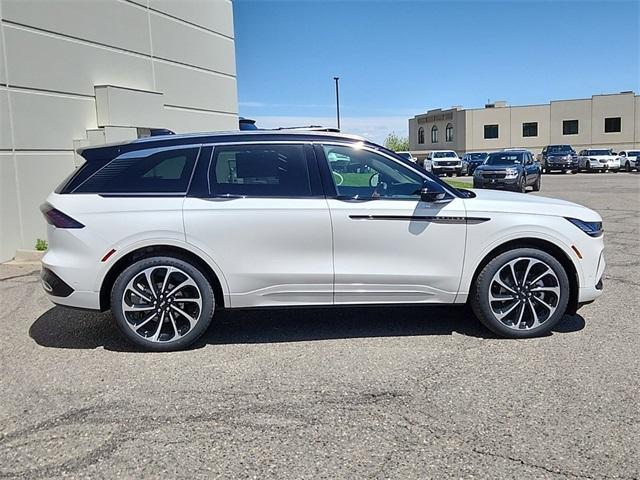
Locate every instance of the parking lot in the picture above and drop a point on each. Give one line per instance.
(333, 393)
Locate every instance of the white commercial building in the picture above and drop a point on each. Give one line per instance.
(78, 72)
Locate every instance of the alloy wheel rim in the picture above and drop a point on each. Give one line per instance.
(162, 304)
(524, 293)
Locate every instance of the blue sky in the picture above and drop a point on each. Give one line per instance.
(399, 58)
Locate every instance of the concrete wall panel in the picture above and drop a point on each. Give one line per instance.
(612, 106)
(50, 122)
(9, 215)
(5, 125)
(38, 174)
(570, 110)
(181, 121)
(128, 108)
(189, 87)
(78, 66)
(216, 15)
(534, 113)
(195, 47)
(109, 22)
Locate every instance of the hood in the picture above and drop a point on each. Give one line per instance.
(511, 202)
(498, 167)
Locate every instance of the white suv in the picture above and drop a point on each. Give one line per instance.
(443, 161)
(165, 231)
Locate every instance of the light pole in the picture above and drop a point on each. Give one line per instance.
(337, 79)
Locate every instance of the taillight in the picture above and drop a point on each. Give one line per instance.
(58, 219)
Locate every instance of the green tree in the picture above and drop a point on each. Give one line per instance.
(396, 143)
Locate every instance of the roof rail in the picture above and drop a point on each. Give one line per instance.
(314, 128)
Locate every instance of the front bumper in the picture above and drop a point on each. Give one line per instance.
(553, 164)
(446, 168)
(496, 183)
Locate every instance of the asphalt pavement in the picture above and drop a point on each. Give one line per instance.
(333, 393)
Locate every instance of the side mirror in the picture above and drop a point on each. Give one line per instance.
(430, 195)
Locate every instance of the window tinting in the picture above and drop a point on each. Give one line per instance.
(530, 129)
(168, 171)
(612, 124)
(421, 135)
(570, 127)
(364, 174)
(260, 171)
(491, 131)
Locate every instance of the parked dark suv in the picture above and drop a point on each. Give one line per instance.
(510, 170)
(474, 160)
(562, 158)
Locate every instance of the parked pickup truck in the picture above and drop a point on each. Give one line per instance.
(443, 161)
(561, 158)
(598, 160)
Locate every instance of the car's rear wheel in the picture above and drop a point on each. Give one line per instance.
(627, 166)
(162, 303)
(521, 293)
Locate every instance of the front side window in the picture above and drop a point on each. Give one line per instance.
(491, 131)
(421, 135)
(168, 171)
(570, 127)
(260, 171)
(530, 129)
(612, 125)
(359, 173)
(434, 134)
(448, 133)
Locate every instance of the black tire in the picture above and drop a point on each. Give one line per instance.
(588, 167)
(522, 185)
(479, 294)
(536, 185)
(206, 309)
(627, 166)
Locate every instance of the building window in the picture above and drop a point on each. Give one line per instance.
(530, 129)
(448, 133)
(421, 135)
(491, 131)
(570, 127)
(612, 125)
(434, 134)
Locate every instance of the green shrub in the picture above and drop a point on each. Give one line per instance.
(41, 245)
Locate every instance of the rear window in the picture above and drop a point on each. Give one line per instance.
(260, 171)
(168, 171)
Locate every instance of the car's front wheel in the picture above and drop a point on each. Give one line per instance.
(536, 185)
(162, 303)
(521, 293)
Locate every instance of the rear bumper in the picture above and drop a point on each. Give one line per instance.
(59, 286)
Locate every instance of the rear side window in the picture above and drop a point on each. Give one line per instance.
(260, 171)
(168, 171)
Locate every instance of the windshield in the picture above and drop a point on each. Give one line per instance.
(478, 156)
(444, 155)
(503, 158)
(598, 152)
(560, 149)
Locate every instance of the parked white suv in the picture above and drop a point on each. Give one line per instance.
(629, 159)
(166, 231)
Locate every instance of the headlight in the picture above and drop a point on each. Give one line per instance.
(512, 173)
(593, 229)
(593, 160)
